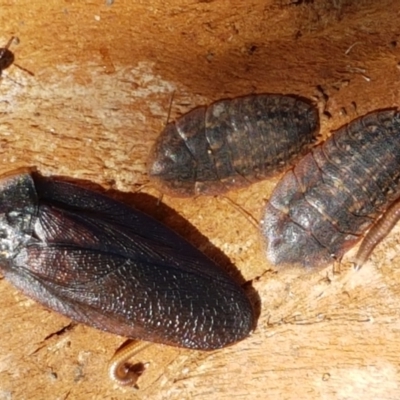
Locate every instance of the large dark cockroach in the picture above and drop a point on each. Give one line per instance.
(335, 193)
(109, 266)
(231, 144)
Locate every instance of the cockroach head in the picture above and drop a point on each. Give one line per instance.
(18, 205)
(170, 158)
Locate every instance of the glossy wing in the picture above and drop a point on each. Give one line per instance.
(111, 267)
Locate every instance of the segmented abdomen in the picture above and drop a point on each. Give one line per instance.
(333, 195)
(231, 144)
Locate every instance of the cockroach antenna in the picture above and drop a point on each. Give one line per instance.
(7, 57)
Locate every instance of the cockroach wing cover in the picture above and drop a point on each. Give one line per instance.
(109, 266)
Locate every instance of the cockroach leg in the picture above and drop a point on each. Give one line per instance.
(242, 211)
(377, 233)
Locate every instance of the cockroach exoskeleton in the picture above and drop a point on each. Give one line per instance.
(231, 144)
(326, 203)
(107, 265)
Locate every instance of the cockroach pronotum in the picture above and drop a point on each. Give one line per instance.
(231, 144)
(104, 264)
(325, 204)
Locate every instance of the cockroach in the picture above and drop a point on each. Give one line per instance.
(104, 264)
(231, 144)
(6, 55)
(325, 204)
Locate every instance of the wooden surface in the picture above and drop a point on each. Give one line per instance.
(103, 78)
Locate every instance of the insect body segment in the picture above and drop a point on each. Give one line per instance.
(333, 195)
(231, 144)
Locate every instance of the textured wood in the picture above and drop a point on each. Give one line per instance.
(103, 79)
